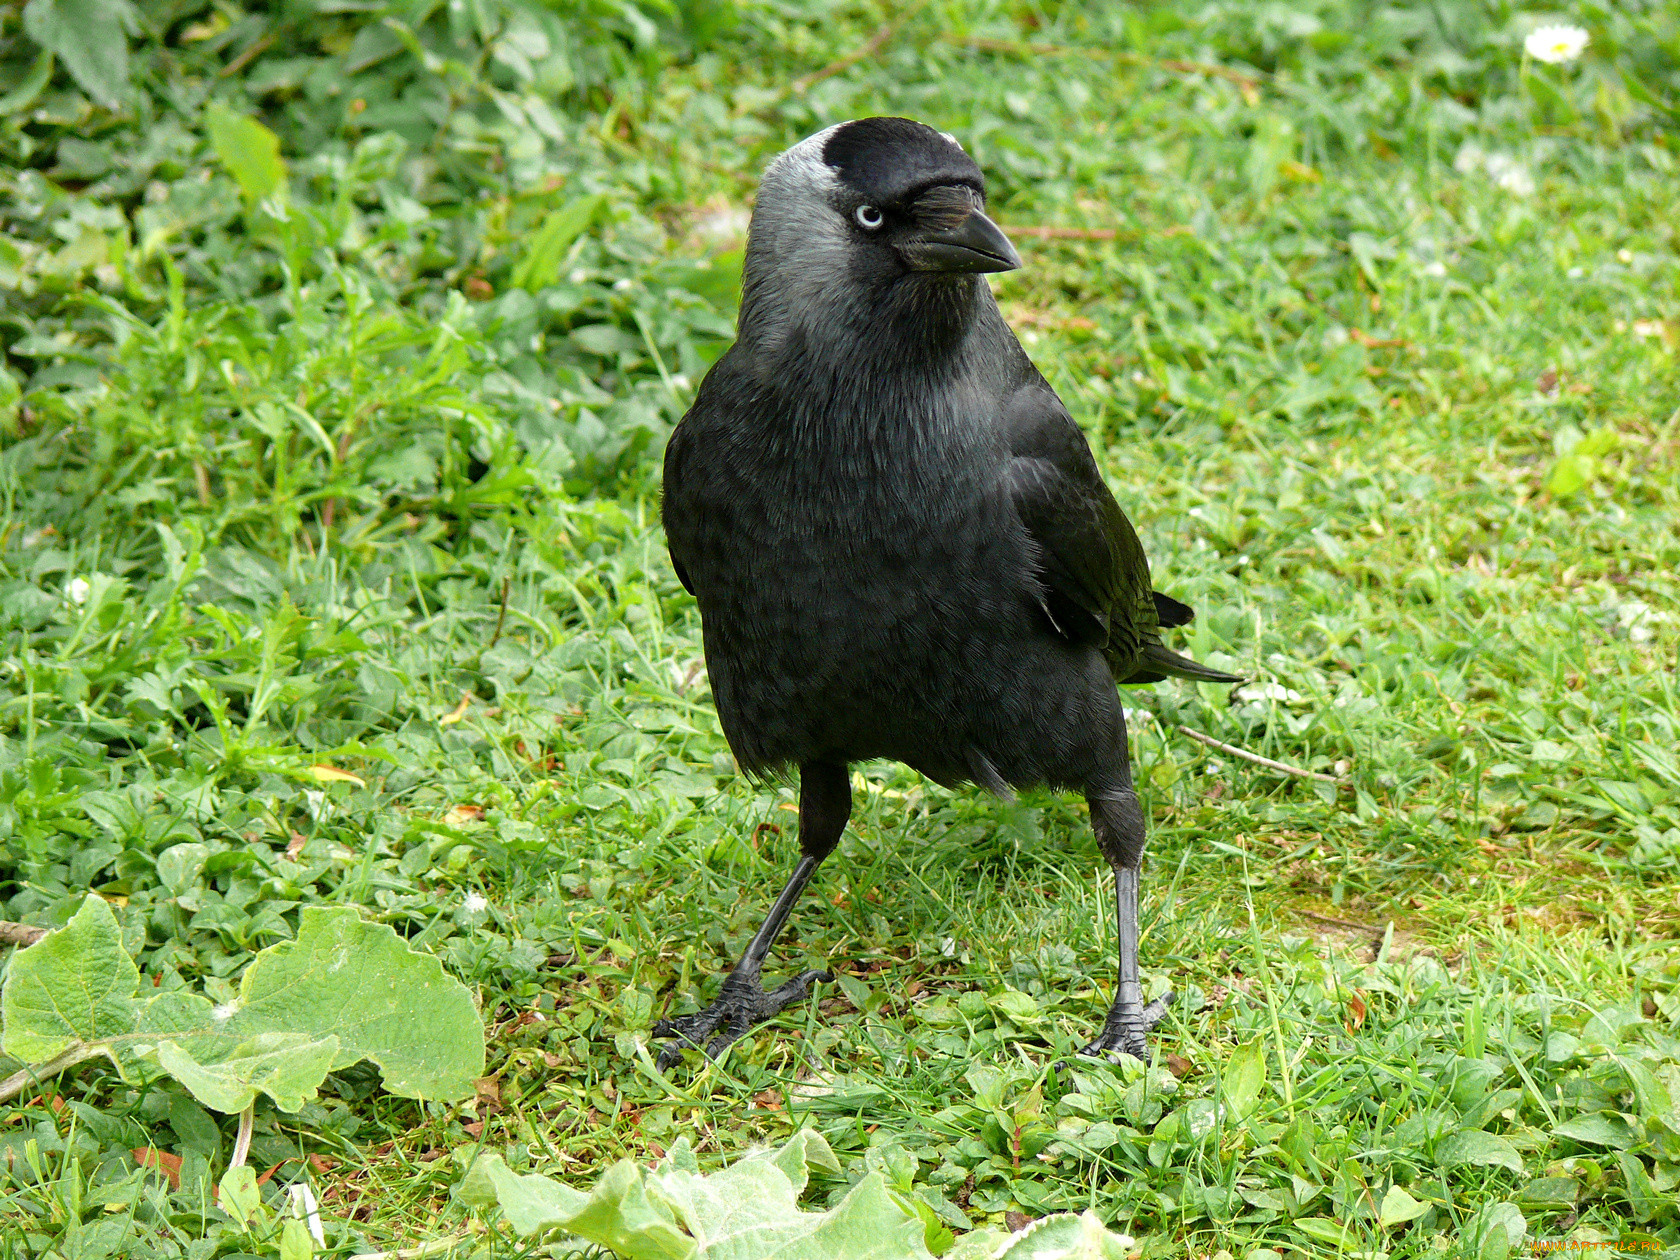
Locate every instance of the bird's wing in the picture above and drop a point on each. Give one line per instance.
(1094, 574)
(676, 531)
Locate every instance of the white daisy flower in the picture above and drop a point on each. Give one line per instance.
(1555, 44)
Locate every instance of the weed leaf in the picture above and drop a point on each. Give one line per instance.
(74, 985)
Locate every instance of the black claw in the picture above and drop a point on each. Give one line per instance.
(1125, 1032)
(741, 1005)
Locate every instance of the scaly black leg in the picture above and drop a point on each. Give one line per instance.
(1117, 819)
(825, 803)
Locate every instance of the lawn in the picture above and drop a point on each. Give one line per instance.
(340, 345)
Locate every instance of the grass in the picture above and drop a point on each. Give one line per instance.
(365, 477)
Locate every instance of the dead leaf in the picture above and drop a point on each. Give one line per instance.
(167, 1164)
(1179, 1066)
(458, 814)
(1356, 1010)
(459, 712)
(294, 846)
(332, 774)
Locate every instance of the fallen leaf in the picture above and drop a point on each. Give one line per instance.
(1179, 1066)
(1356, 1010)
(167, 1164)
(458, 814)
(332, 774)
(459, 712)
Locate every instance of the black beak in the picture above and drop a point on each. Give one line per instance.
(974, 244)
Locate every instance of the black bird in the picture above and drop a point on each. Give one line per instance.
(899, 540)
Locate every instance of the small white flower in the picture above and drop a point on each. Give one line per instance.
(1647, 328)
(76, 590)
(681, 383)
(1510, 174)
(1436, 270)
(1555, 44)
(1624, 256)
(473, 902)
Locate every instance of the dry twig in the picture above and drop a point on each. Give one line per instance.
(805, 82)
(1256, 758)
(20, 934)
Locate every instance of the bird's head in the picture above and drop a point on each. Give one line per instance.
(867, 223)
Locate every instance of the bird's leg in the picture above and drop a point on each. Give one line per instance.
(825, 803)
(1117, 819)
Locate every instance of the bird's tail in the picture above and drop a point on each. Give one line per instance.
(1158, 661)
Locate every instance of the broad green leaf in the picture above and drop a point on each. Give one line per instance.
(1475, 1147)
(74, 985)
(1552, 1192)
(1063, 1236)
(748, 1211)
(1602, 1129)
(249, 150)
(1020, 1008)
(295, 1242)
(90, 38)
(239, 1196)
(616, 1213)
(1399, 1207)
(360, 982)
(802, 1152)
(1322, 1229)
(288, 1067)
(1243, 1077)
(1496, 1232)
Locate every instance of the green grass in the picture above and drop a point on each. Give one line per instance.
(367, 479)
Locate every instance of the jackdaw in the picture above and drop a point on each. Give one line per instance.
(899, 539)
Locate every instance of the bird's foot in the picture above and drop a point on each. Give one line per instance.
(1125, 1031)
(740, 1005)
